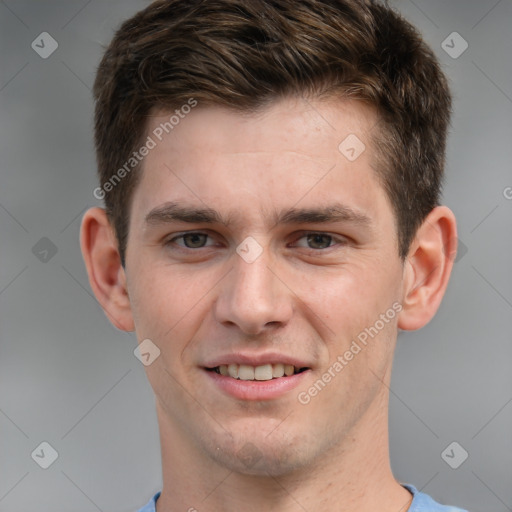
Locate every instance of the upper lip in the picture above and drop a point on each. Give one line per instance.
(256, 360)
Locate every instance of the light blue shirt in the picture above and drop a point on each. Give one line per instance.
(420, 503)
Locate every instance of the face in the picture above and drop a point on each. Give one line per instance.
(255, 242)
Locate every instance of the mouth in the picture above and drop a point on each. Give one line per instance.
(264, 372)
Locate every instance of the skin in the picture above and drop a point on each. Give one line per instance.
(309, 297)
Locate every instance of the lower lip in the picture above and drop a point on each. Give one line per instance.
(257, 389)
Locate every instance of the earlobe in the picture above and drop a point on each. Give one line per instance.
(106, 275)
(427, 268)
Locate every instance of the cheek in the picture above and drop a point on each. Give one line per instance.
(351, 303)
(344, 296)
(165, 302)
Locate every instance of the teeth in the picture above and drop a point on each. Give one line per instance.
(246, 372)
(263, 372)
(277, 370)
(233, 371)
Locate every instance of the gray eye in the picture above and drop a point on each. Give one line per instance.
(319, 241)
(194, 240)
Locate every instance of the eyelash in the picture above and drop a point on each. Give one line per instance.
(333, 239)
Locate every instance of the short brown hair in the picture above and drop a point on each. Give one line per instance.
(243, 54)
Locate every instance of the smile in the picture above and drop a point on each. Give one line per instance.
(261, 372)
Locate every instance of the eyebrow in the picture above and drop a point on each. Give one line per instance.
(175, 212)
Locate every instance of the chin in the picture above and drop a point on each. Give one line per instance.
(259, 453)
(252, 460)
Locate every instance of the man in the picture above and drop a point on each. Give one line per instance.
(271, 173)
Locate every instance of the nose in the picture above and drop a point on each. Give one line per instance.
(253, 298)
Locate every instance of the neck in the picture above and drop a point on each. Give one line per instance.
(339, 479)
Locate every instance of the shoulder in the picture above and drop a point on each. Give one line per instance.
(422, 502)
(150, 506)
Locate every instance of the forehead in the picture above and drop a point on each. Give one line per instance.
(320, 124)
(295, 150)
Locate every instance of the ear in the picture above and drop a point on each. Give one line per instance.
(427, 268)
(106, 274)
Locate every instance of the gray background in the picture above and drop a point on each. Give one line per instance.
(69, 378)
